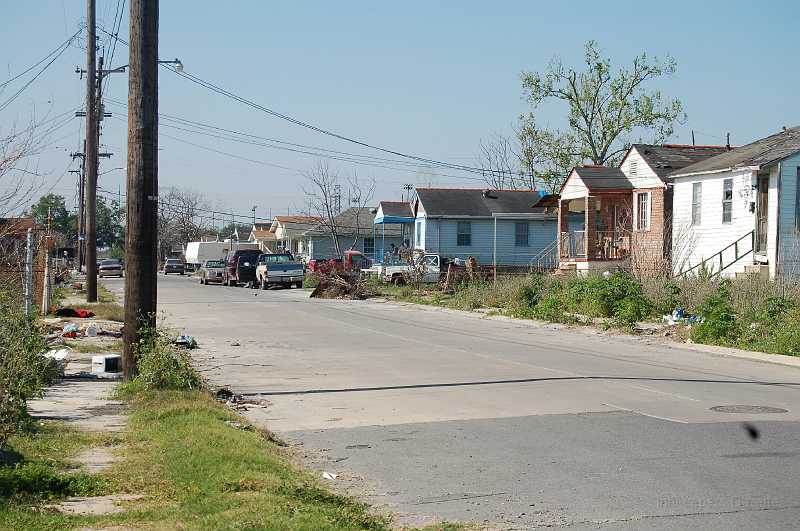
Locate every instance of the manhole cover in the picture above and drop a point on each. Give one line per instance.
(748, 409)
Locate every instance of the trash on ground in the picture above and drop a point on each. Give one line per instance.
(74, 312)
(185, 341)
(91, 331)
(329, 475)
(106, 363)
(236, 344)
(70, 330)
(60, 358)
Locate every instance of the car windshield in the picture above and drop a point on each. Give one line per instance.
(109, 262)
(214, 263)
(275, 258)
(173, 262)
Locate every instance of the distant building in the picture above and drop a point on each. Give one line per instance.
(262, 235)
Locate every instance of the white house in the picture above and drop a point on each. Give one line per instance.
(289, 231)
(739, 211)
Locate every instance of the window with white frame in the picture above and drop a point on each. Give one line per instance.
(727, 200)
(521, 232)
(464, 234)
(697, 199)
(643, 211)
(418, 235)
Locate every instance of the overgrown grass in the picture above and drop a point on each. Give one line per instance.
(36, 468)
(752, 312)
(109, 311)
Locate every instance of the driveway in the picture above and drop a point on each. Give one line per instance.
(448, 415)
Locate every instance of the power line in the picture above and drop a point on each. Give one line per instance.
(61, 50)
(42, 60)
(319, 155)
(219, 90)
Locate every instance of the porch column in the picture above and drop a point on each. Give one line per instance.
(563, 226)
(590, 228)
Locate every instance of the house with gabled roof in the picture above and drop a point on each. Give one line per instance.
(739, 212)
(289, 231)
(502, 227)
(354, 229)
(620, 217)
(262, 235)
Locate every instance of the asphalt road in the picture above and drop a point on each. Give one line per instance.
(447, 415)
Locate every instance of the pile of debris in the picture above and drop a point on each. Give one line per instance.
(340, 286)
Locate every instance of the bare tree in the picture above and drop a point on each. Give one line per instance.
(16, 186)
(324, 199)
(499, 163)
(360, 198)
(180, 218)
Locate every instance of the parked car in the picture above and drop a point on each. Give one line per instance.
(279, 269)
(212, 271)
(111, 267)
(173, 265)
(353, 261)
(240, 267)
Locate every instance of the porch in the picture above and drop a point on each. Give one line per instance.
(595, 231)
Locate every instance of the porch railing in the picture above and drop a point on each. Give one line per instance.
(607, 245)
(716, 263)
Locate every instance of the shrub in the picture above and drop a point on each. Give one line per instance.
(311, 281)
(161, 364)
(718, 325)
(23, 369)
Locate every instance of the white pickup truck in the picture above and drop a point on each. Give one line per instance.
(279, 269)
(428, 265)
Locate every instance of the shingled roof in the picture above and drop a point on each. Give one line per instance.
(759, 153)
(355, 221)
(597, 178)
(476, 202)
(667, 158)
(396, 209)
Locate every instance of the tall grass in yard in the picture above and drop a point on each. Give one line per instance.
(23, 370)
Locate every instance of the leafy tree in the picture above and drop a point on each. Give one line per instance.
(605, 111)
(54, 206)
(110, 232)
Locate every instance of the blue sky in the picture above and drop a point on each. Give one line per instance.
(428, 78)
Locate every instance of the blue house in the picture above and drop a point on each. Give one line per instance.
(503, 227)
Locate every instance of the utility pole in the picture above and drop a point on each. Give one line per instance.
(142, 183)
(254, 214)
(406, 196)
(81, 204)
(91, 157)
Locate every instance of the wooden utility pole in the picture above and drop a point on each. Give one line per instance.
(81, 204)
(142, 183)
(91, 160)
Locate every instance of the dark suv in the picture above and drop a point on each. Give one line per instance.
(240, 267)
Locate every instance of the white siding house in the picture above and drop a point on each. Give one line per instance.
(737, 212)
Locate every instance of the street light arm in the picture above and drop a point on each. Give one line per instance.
(121, 69)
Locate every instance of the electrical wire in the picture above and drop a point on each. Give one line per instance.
(222, 91)
(42, 60)
(61, 50)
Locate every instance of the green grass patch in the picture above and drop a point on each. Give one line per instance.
(92, 347)
(109, 311)
(35, 469)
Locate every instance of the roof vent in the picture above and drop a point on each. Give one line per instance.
(488, 194)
